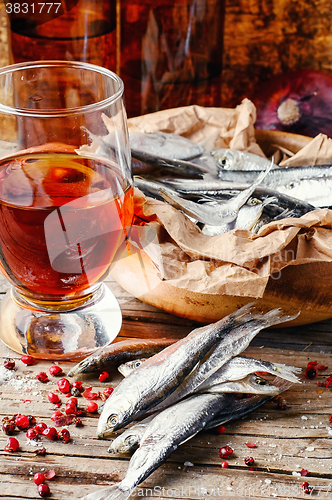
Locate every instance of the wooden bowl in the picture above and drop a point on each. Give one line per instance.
(305, 288)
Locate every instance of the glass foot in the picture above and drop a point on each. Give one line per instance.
(64, 335)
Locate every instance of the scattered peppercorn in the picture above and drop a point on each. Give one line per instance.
(103, 377)
(41, 452)
(31, 419)
(22, 422)
(92, 407)
(38, 478)
(78, 385)
(53, 398)
(8, 427)
(249, 461)
(311, 371)
(40, 427)
(43, 490)
(50, 433)
(225, 451)
(71, 409)
(63, 385)
(77, 422)
(328, 381)
(251, 445)
(50, 474)
(28, 360)
(9, 364)
(221, 429)
(306, 488)
(90, 395)
(31, 434)
(224, 465)
(75, 392)
(55, 370)
(12, 445)
(42, 377)
(64, 435)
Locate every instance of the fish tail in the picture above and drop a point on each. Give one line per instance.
(110, 493)
(249, 312)
(287, 372)
(274, 317)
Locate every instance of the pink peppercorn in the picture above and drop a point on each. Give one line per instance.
(40, 427)
(92, 407)
(55, 370)
(31, 434)
(64, 435)
(50, 433)
(38, 478)
(43, 490)
(28, 360)
(12, 445)
(9, 364)
(103, 377)
(225, 451)
(53, 398)
(64, 385)
(22, 422)
(224, 465)
(42, 377)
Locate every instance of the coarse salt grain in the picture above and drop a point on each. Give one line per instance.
(304, 417)
(310, 448)
(294, 473)
(5, 375)
(188, 464)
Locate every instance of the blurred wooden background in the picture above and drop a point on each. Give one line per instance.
(262, 38)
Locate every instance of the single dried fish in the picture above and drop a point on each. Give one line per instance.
(119, 352)
(218, 187)
(223, 213)
(164, 145)
(310, 183)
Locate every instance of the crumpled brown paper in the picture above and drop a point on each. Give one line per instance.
(238, 262)
(211, 127)
(317, 152)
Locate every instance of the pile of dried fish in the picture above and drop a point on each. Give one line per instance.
(229, 184)
(188, 386)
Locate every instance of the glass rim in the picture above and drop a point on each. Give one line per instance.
(13, 68)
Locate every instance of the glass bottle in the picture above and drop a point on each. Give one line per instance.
(171, 53)
(77, 30)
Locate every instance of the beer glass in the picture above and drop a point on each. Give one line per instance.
(66, 205)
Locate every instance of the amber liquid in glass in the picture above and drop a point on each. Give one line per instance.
(62, 219)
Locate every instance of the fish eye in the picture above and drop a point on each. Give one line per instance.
(223, 162)
(137, 364)
(112, 420)
(131, 440)
(260, 381)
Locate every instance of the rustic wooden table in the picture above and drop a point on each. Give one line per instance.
(287, 440)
